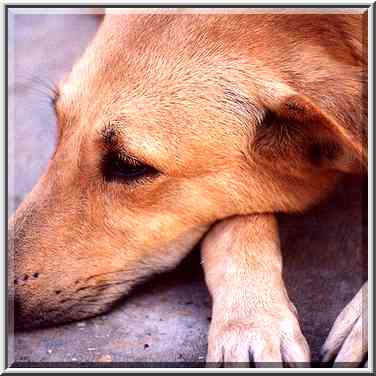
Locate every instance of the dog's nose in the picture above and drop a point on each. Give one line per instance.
(33, 300)
(28, 282)
(16, 312)
(23, 316)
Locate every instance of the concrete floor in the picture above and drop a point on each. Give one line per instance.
(166, 319)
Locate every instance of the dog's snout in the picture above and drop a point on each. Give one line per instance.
(29, 284)
(44, 290)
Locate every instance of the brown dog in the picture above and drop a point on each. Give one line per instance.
(171, 123)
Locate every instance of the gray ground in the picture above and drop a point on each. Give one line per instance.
(167, 319)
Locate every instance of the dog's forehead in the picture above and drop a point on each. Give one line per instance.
(155, 94)
(134, 50)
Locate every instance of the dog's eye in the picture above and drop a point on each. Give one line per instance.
(125, 169)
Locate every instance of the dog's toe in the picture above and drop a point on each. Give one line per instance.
(273, 343)
(296, 351)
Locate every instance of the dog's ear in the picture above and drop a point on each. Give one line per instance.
(298, 132)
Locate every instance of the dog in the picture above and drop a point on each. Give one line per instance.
(177, 128)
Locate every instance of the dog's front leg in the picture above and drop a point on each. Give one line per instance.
(253, 318)
(347, 342)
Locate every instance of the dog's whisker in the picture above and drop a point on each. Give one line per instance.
(44, 87)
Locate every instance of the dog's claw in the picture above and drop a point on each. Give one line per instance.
(274, 343)
(347, 342)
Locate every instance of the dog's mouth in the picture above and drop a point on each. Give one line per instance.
(78, 303)
(42, 318)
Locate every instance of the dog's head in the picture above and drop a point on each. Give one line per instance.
(166, 125)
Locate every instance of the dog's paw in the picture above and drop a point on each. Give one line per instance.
(266, 340)
(347, 342)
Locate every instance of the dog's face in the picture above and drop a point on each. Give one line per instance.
(162, 131)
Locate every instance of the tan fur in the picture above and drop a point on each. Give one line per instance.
(240, 114)
(252, 314)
